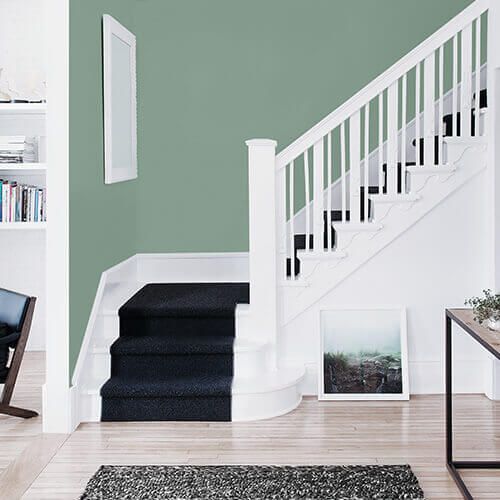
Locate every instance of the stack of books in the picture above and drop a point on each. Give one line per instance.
(12, 148)
(18, 149)
(22, 203)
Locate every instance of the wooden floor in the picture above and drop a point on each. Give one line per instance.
(15, 433)
(316, 433)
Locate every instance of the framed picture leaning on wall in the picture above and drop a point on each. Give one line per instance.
(363, 354)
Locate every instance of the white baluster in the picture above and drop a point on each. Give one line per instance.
(281, 217)
(342, 171)
(367, 163)
(478, 76)
(329, 193)
(441, 105)
(417, 113)
(308, 199)
(429, 103)
(392, 138)
(318, 166)
(466, 87)
(380, 142)
(355, 167)
(404, 87)
(291, 217)
(454, 110)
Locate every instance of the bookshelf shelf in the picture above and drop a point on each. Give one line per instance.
(23, 167)
(23, 226)
(23, 108)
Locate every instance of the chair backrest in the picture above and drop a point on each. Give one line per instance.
(13, 309)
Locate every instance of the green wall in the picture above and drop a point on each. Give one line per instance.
(103, 219)
(212, 74)
(215, 73)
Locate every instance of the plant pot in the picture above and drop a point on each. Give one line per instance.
(494, 324)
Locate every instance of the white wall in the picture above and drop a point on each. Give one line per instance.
(436, 264)
(22, 44)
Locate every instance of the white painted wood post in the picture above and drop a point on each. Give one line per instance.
(392, 138)
(429, 109)
(318, 222)
(355, 168)
(466, 87)
(493, 172)
(263, 242)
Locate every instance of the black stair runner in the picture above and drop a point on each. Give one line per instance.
(174, 357)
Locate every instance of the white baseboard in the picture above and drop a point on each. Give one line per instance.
(192, 267)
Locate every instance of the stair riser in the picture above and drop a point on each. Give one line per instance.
(246, 407)
(164, 367)
(249, 364)
(419, 181)
(166, 409)
(346, 238)
(100, 365)
(172, 326)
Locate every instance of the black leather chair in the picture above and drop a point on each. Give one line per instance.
(16, 315)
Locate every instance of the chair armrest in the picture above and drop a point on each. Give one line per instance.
(9, 339)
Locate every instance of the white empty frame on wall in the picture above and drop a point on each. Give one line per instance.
(120, 102)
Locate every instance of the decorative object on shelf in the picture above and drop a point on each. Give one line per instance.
(120, 102)
(16, 314)
(5, 97)
(363, 354)
(486, 309)
(19, 149)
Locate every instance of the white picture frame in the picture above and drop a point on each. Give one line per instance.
(120, 102)
(358, 325)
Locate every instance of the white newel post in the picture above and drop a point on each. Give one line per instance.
(263, 239)
(493, 129)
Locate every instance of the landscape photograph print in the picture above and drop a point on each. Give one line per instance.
(363, 354)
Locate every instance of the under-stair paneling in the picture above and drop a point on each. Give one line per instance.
(439, 262)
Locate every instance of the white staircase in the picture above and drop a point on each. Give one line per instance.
(353, 198)
(370, 171)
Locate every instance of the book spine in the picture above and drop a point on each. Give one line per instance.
(24, 211)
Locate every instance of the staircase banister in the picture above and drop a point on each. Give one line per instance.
(382, 82)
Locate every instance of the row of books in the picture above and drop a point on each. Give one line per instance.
(18, 149)
(22, 203)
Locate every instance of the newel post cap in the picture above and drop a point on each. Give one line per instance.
(266, 143)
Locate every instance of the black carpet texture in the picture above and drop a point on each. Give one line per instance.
(249, 482)
(174, 357)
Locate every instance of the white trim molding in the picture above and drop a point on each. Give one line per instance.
(56, 396)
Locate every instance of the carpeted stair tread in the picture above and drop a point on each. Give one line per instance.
(198, 386)
(184, 300)
(172, 344)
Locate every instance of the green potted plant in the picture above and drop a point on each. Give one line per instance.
(486, 309)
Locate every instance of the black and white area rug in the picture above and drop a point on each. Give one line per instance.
(245, 482)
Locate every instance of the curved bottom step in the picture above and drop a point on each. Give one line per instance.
(270, 395)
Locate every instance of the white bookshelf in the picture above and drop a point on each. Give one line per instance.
(17, 108)
(23, 167)
(22, 226)
(23, 244)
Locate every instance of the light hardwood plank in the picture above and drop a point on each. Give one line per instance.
(20, 473)
(316, 433)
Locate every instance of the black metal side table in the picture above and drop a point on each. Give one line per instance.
(491, 342)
